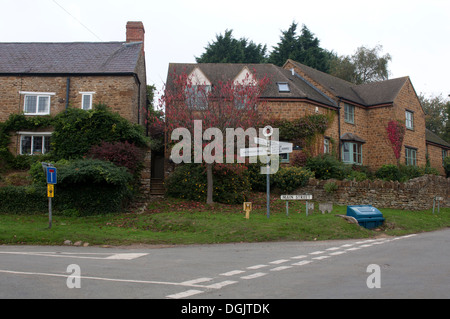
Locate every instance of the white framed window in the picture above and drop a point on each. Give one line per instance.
(444, 155)
(352, 153)
(34, 143)
(283, 87)
(36, 103)
(349, 112)
(197, 96)
(86, 100)
(409, 120)
(411, 156)
(326, 145)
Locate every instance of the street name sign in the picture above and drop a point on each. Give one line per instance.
(296, 197)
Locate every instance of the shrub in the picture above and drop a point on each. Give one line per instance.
(330, 187)
(389, 172)
(23, 200)
(447, 166)
(299, 159)
(258, 181)
(88, 186)
(76, 131)
(288, 179)
(231, 183)
(122, 154)
(327, 167)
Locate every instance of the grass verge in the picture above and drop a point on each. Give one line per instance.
(173, 221)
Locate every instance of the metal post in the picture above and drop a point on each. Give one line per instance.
(306, 208)
(268, 190)
(434, 203)
(287, 208)
(49, 212)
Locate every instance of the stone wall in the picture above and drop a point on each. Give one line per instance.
(416, 194)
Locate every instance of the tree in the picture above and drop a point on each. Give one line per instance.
(364, 66)
(436, 118)
(227, 49)
(225, 105)
(304, 48)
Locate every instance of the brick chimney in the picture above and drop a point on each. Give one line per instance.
(135, 32)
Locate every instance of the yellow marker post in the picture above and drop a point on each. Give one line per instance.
(50, 195)
(247, 209)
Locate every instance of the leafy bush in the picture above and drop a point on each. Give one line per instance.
(447, 166)
(122, 154)
(258, 181)
(76, 131)
(23, 200)
(299, 159)
(288, 179)
(330, 187)
(231, 183)
(327, 167)
(403, 173)
(88, 186)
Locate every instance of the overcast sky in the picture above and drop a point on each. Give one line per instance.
(415, 33)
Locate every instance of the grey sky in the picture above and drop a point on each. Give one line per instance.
(415, 33)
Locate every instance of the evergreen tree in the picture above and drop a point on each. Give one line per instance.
(227, 49)
(304, 49)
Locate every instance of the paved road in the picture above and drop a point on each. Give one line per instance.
(414, 266)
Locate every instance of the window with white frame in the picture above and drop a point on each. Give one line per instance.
(326, 145)
(411, 156)
(34, 143)
(86, 100)
(409, 119)
(352, 153)
(349, 112)
(36, 103)
(197, 96)
(444, 155)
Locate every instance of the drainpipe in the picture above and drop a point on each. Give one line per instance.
(67, 92)
(339, 129)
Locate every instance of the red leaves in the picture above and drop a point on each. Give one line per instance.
(396, 133)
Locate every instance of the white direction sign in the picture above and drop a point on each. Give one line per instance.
(253, 151)
(296, 197)
(281, 148)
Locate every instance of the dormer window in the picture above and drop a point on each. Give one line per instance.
(283, 87)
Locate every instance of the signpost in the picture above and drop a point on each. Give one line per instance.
(287, 198)
(437, 199)
(269, 147)
(50, 171)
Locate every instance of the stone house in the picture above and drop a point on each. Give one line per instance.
(39, 79)
(360, 113)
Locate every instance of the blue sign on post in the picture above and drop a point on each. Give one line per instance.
(51, 175)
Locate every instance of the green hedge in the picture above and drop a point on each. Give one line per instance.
(85, 187)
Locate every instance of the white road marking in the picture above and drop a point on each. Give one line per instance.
(125, 256)
(195, 281)
(221, 284)
(110, 256)
(321, 257)
(256, 267)
(317, 252)
(255, 275)
(299, 257)
(280, 268)
(303, 262)
(333, 248)
(232, 273)
(277, 262)
(184, 294)
(336, 253)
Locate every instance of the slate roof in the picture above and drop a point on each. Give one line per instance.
(216, 72)
(433, 138)
(69, 58)
(369, 94)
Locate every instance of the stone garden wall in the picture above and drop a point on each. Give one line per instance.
(416, 194)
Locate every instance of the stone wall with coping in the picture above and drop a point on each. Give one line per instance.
(416, 194)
